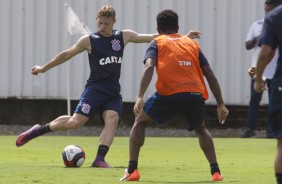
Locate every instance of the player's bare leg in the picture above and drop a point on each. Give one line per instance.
(109, 131)
(207, 145)
(106, 138)
(137, 135)
(68, 122)
(60, 123)
(278, 161)
(136, 141)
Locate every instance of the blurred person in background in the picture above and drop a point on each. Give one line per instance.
(271, 39)
(255, 97)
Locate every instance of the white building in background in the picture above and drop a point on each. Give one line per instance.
(33, 31)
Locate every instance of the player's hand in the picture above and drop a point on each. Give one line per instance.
(35, 70)
(222, 113)
(194, 34)
(256, 39)
(252, 72)
(259, 86)
(138, 107)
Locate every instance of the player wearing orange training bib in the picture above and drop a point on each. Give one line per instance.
(178, 66)
(180, 88)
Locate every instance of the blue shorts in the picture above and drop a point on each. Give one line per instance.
(93, 100)
(275, 111)
(190, 105)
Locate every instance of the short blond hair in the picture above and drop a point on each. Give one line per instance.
(106, 11)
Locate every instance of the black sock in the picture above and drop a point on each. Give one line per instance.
(214, 168)
(132, 165)
(278, 178)
(44, 129)
(102, 152)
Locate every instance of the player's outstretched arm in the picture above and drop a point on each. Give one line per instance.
(222, 111)
(81, 45)
(132, 36)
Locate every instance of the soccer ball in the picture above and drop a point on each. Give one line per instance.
(73, 156)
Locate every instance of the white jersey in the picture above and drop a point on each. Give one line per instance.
(255, 31)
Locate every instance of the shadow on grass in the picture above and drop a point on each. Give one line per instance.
(177, 182)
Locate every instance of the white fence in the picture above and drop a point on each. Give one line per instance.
(33, 31)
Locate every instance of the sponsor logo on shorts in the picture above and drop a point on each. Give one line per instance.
(86, 108)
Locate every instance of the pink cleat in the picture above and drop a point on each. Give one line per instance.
(28, 135)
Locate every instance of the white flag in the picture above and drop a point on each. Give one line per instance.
(75, 25)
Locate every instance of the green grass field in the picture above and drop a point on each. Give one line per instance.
(162, 160)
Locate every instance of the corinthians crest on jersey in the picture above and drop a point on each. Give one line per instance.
(116, 45)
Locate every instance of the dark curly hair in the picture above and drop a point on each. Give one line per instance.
(167, 21)
(273, 2)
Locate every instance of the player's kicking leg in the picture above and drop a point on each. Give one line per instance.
(28, 135)
(60, 123)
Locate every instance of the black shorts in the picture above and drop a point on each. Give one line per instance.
(190, 105)
(93, 100)
(275, 109)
